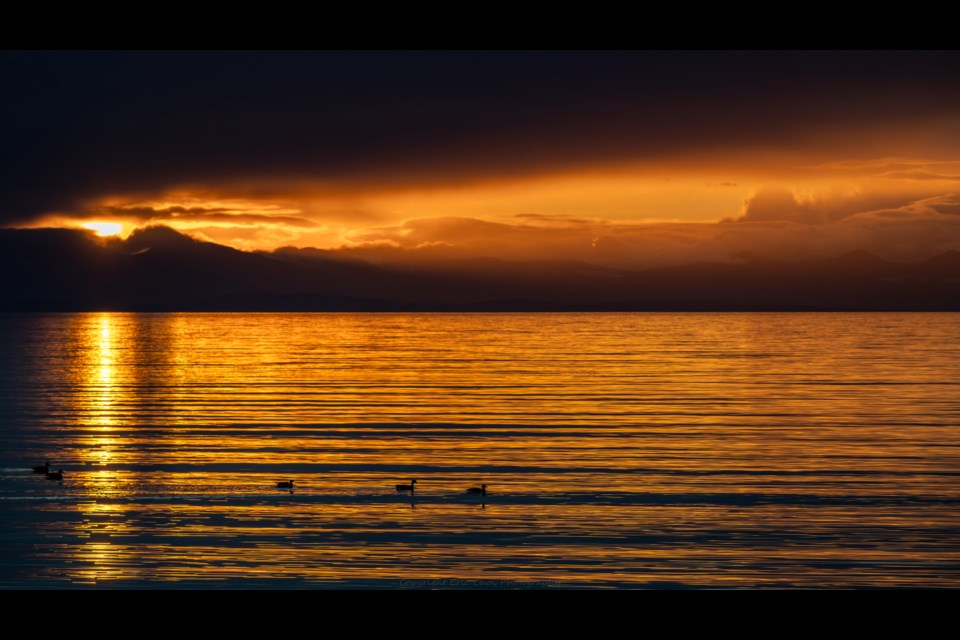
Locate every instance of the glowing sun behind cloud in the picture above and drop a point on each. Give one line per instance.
(104, 229)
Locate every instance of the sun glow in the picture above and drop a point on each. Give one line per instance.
(104, 229)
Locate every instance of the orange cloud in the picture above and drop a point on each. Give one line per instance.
(912, 231)
(632, 215)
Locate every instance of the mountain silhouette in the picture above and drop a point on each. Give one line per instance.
(159, 269)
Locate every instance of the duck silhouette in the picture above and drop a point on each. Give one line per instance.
(482, 490)
(55, 476)
(407, 487)
(285, 485)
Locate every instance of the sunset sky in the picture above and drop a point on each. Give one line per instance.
(621, 159)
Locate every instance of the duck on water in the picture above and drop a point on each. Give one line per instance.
(407, 487)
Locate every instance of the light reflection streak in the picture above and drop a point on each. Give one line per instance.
(103, 380)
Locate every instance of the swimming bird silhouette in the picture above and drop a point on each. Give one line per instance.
(482, 490)
(55, 476)
(285, 485)
(44, 469)
(407, 487)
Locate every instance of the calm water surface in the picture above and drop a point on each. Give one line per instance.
(640, 450)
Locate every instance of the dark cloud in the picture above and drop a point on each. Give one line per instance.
(75, 127)
(542, 217)
(199, 214)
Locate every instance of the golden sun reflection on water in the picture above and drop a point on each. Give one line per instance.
(707, 450)
(101, 450)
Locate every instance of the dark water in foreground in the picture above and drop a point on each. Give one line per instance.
(695, 450)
